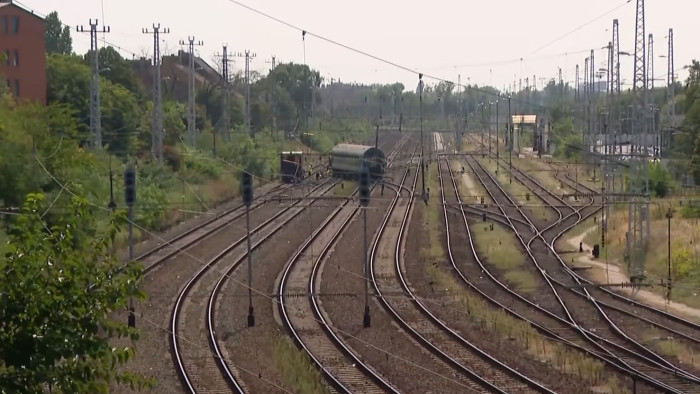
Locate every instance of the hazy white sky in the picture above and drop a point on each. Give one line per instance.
(481, 40)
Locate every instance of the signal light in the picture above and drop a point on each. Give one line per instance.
(247, 188)
(364, 187)
(130, 186)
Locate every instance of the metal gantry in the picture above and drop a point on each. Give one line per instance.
(95, 111)
(157, 132)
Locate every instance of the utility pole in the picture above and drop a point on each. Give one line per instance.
(226, 81)
(422, 159)
(511, 129)
(671, 92)
(95, 111)
(274, 95)
(592, 119)
(650, 65)
(458, 131)
(191, 115)
(157, 131)
(379, 121)
(483, 123)
(498, 100)
(587, 95)
(247, 55)
(671, 79)
(489, 129)
(577, 96)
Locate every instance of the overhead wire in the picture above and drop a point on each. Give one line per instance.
(507, 61)
(367, 54)
(393, 63)
(582, 26)
(256, 291)
(269, 297)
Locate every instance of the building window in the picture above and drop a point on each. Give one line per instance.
(4, 24)
(15, 24)
(16, 87)
(15, 61)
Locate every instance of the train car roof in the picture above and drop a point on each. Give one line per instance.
(289, 152)
(354, 149)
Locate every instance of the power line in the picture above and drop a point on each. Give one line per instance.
(158, 131)
(375, 57)
(580, 27)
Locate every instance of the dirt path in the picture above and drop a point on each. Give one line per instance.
(615, 275)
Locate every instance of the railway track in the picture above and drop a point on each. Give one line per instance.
(616, 311)
(152, 258)
(591, 320)
(622, 310)
(478, 371)
(306, 321)
(197, 358)
(480, 279)
(199, 371)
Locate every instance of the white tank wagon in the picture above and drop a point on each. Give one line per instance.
(347, 160)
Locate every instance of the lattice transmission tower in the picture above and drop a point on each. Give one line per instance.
(638, 227)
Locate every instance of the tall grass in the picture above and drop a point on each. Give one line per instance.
(297, 370)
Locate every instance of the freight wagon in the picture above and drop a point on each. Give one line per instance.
(292, 167)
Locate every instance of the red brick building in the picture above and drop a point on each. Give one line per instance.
(23, 45)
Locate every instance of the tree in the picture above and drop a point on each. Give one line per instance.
(69, 84)
(59, 290)
(117, 70)
(691, 123)
(58, 39)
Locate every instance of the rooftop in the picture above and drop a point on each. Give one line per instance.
(9, 3)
